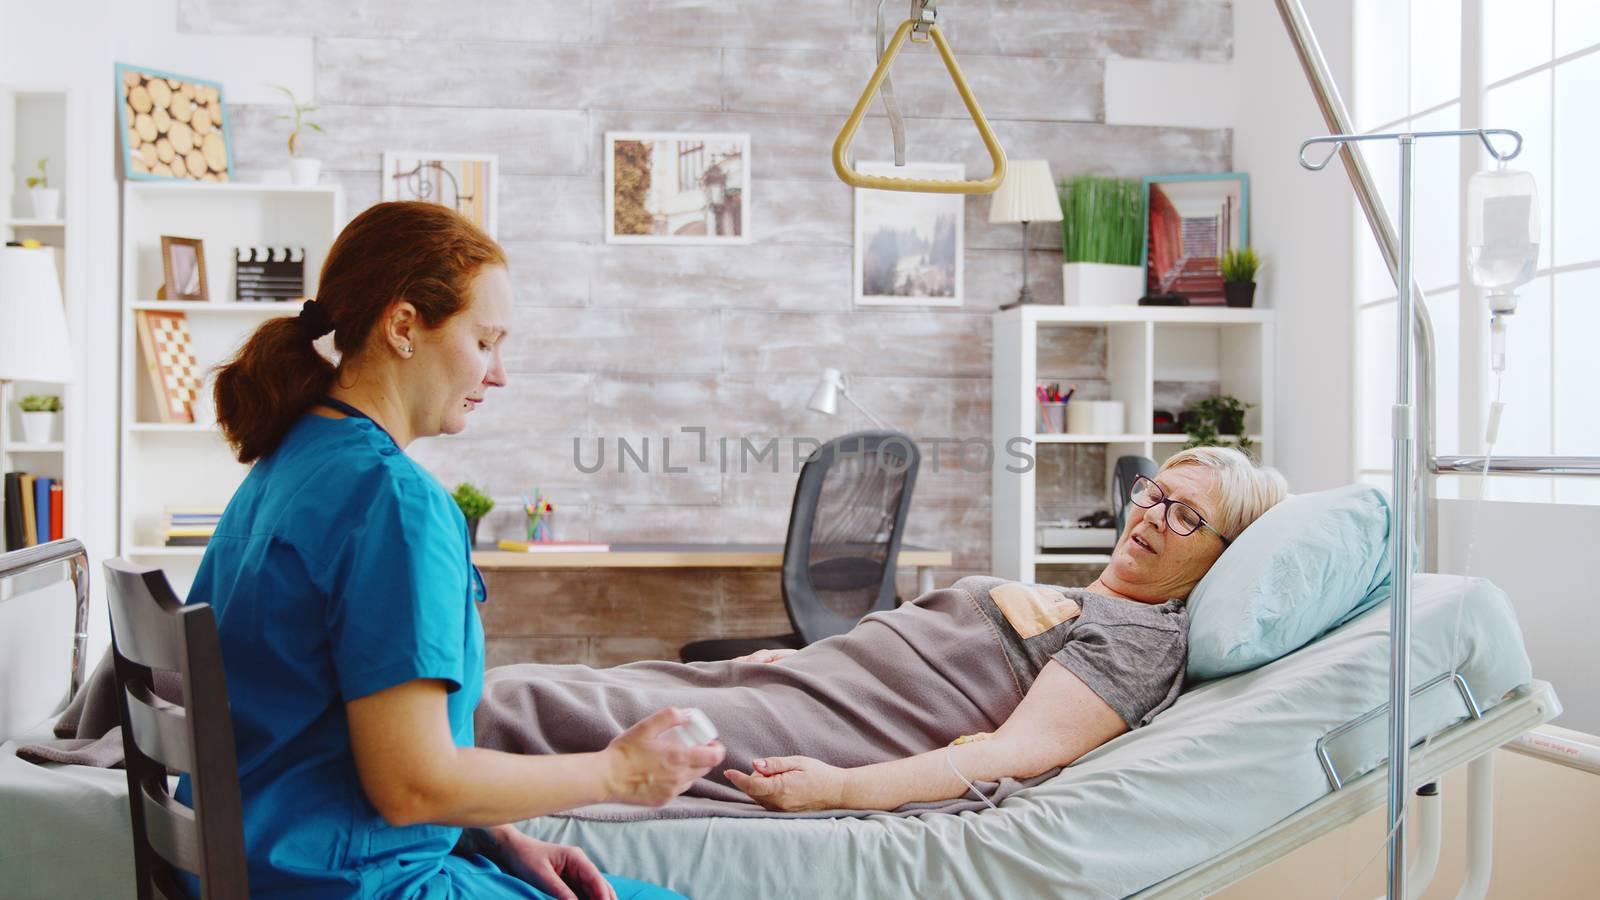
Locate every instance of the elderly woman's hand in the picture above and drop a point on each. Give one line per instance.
(792, 783)
(766, 656)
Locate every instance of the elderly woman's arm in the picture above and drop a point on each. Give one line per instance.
(1058, 721)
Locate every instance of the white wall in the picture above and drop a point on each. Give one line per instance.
(1300, 221)
(76, 45)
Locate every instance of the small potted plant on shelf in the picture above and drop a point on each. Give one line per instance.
(1102, 228)
(1239, 269)
(46, 199)
(39, 414)
(304, 170)
(1213, 419)
(475, 504)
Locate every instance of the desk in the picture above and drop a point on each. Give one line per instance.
(687, 556)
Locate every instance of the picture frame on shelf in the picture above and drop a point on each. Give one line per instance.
(171, 367)
(909, 247)
(172, 127)
(183, 269)
(468, 183)
(666, 187)
(1208, 211)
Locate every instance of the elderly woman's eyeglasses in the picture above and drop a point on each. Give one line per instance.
(1182, 518)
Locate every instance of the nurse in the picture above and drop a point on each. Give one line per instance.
(346, 599)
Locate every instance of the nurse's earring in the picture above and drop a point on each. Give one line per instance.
(406, 351)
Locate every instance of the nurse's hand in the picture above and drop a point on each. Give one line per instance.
(649, 771)
(553, 868)
(792, 783)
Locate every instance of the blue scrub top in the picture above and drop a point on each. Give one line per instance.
(339, 569)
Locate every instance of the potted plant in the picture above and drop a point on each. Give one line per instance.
(46, 199)
(1239, 269)
(1211, 420)
(39, 417)
(304, 170)
(475, 504)
(1102, 230)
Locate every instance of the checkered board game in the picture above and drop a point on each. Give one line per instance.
(169, 361)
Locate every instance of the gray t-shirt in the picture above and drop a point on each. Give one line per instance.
(1131, 654)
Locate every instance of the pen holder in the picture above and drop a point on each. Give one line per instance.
(541, 528)
(1052, 417)
(1096, 417)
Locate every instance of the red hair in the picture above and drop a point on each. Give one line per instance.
(419, 252)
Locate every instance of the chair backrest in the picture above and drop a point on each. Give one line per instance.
(845, 529)
(151, 630)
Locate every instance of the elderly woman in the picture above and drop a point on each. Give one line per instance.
(1023, 679)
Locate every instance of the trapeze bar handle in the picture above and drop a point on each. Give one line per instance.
(841, 145)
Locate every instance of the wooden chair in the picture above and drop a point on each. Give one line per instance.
(151, 630)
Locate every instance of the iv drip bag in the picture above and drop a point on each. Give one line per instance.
(1502, 233)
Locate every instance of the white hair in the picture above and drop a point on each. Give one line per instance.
(1245, 490)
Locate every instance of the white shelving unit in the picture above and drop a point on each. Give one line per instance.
(167, 464)
(1151, 353)
(34, 125)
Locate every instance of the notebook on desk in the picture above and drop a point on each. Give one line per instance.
(554, 546)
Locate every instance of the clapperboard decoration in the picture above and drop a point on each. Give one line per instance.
(269, 274)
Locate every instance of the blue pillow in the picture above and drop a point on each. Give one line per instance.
(1310, 564)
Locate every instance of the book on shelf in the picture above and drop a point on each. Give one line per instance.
(188, 541)
(554, 546)
(41, 508)
(30, 517)
(16, 538)
(57, 507)
(189, 526)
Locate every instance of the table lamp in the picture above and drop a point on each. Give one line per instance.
(825, 399)
(1028, 194)
(33, 326)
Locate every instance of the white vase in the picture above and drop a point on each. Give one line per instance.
(1101, 284)
(46, 203)
(38, 427)
(305, 171)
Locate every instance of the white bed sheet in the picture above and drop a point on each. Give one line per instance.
(1228, 760)
(64, 830)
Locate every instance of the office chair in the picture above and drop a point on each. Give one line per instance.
(151, 630)
(845, 529)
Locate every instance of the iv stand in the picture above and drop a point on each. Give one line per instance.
(1404, 428)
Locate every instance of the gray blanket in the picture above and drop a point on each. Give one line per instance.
(901, 683)
(88, 733)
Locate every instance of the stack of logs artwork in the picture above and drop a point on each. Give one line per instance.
(173, 127)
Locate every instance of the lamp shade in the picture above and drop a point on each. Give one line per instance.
(825, 399)
(33, 327)
(1028, 194)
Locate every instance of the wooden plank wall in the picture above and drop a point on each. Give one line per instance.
(637, 341)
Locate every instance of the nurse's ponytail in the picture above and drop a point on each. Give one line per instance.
(419, 252)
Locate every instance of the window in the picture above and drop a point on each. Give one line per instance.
(1531, 65)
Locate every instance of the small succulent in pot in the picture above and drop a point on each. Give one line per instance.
(1239, 268)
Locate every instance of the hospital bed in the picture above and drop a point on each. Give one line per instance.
(1238, 772)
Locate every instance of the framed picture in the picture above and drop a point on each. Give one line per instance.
(909, 247)
(1190, 220)
(466, 182)
(677, 188)
(172, 126)
(183, 269)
